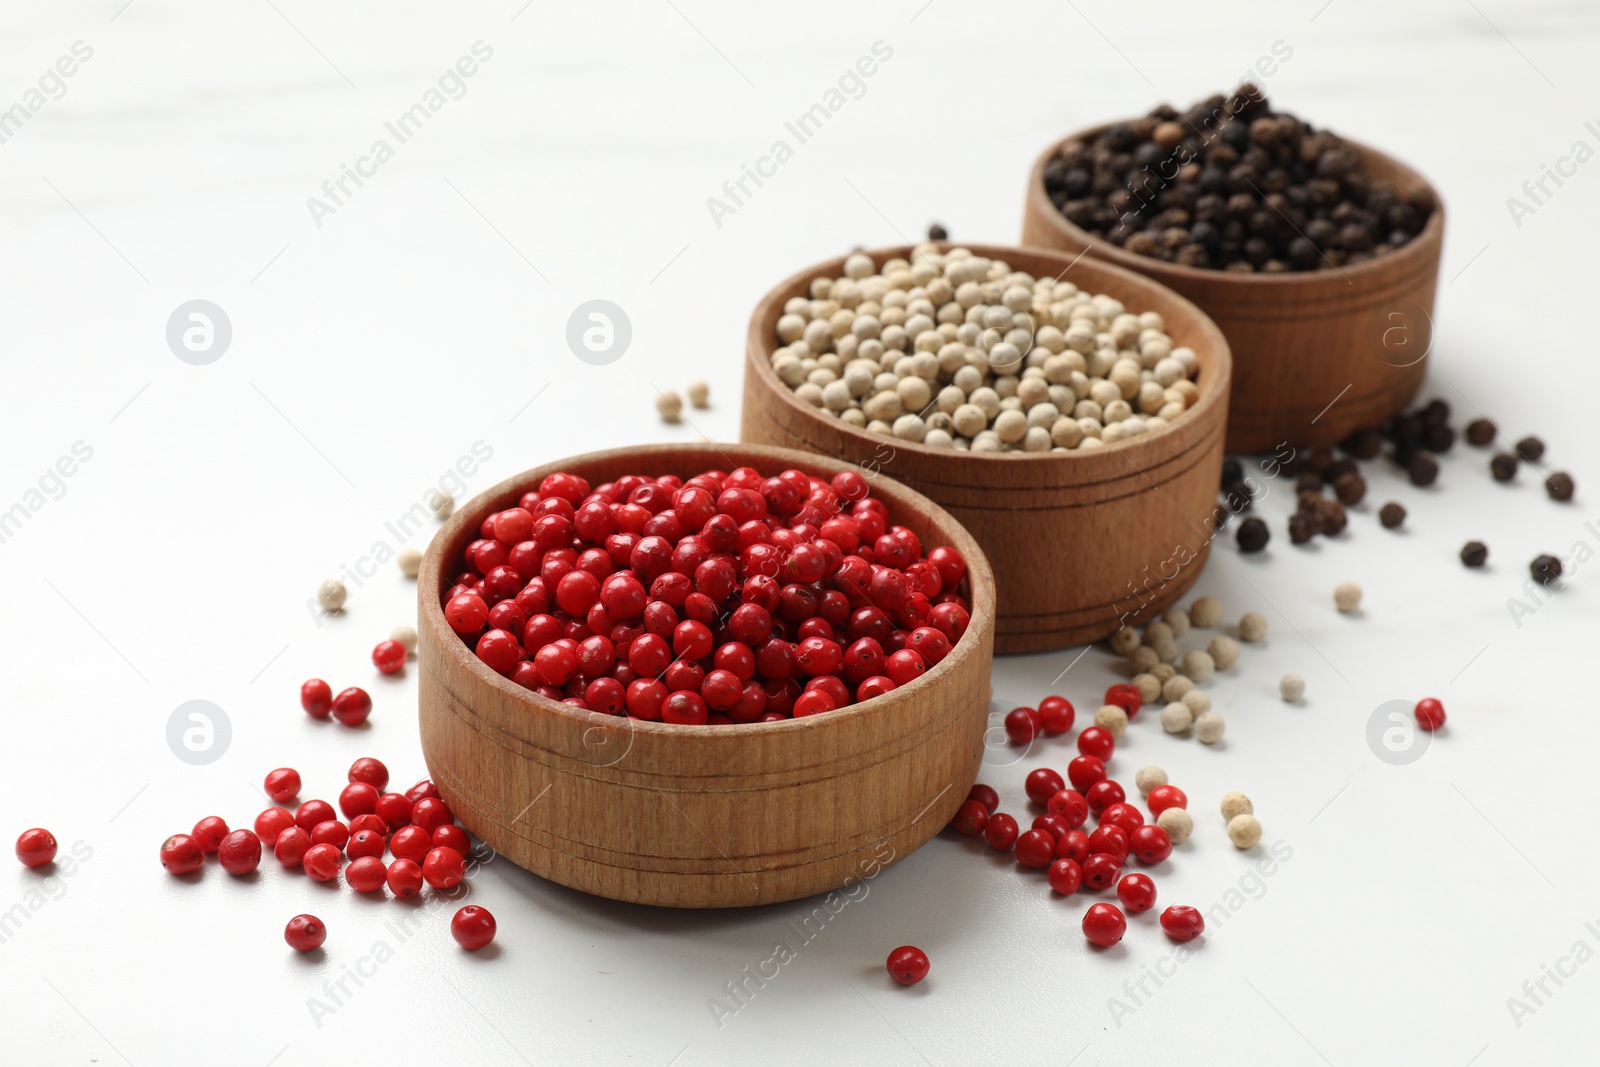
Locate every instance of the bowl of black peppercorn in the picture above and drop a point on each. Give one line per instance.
(1317, 256)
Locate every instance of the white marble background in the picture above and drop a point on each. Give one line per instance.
(428, 314)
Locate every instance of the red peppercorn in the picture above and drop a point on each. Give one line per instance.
(364, 844)
(1065, 877)
(1104, 924)
(352, 706)
(422, 791)
(684, 708)
(316, 697)
(366, 874)
(970, 819)
(1073, 845)
(452, 836)
(312, 812)
(358, 798)
(1055, 824)
(813, 702)
(1100, 871)
(466, 613)
(1126, 697)
(389, 656)
(370, 823)
(1429, 713)
(443, 868)
(1036, 848)
(411, 843)
(404, 878)
(1056, 714)
(1000, 831)
(1103, 794)
(907, 965)
(501, 653)
(1122, 814)
(305, 933)
(332, 832)
(369, 771)
(1137, 893)
(180, 854)
(1183, 923)
(986, 796)
(1070, 805)
(240, 852)
(472, 927)
(430, 813)
(209, 832)
(272, 822)
(394, 810)
(1163, 797)
(1042, 784)
(1097, 742)
(1022, 725)
(1085, 771)
(291, 847)
(283, 784)
(36, 847)
(1150, 843)
(905, 666)
(322, 862)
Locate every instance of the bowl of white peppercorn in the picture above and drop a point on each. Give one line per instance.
(1070, 414)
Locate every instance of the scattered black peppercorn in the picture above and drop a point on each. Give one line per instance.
(1545, 569)
(1474, 553)
(1232, 471)
(1238, 497)
(1339, 469)
(1302, 528)
(1503, 467)
(1232, 185)
(1559, 486)
(1437, 413)
(937, 232)
(1438, 438)
(1253, 535)
(1308, 482)
(1351, 488)
(1480, 432)
(1392, 515)
(1531, 449)
(1364, 444)
(1321, 459)
(1331, 518)
(1423, 469)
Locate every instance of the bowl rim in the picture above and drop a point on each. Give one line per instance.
(430, 609)
(760, 347)
(1431, 233)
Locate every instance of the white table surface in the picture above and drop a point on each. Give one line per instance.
(428, 313)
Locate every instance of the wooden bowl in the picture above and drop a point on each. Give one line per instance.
(1081, 543)
(1317, 354)
(700, 816)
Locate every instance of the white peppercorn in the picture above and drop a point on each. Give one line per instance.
(1112, 719)
(1178, 619)
(1209, 727)
(1197, 701)
(443, 505)
(1252, 626)
(1347, 596)
(1244, 831)
(669, 405)
(1143, 658)
(331, 594)
(699, 394)
(1291, 687)
(1205, 612)
(1175, 687)
(1149, 687)
(1147, 778)
(1224, 651)
(1125, 640)
(409, 561)
(1158, 632)
(1167, 650)
(407, 636)
(1198, 665)
(1236, 804)
(1176, 718)
(1178, 824)
(1164, 672)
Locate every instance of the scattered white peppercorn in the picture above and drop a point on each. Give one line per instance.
(1147, 778)
(1143, 658)
(1234, 804)
(1149, 687)
(1198, 665)
(443, 505)
(1252, 626)
(409, 561)
(1159, 633)
(1166, 651)
(1163, 672)
(1176, 718)
(1209, 727)
(1178, 619)
(1174, 688)
(1178, 824)
(1112, 719)
(1125, 640)
(1224, 651)
(1347, 596)
(1291, 687)
(1244, 831)
(332, 594)
(669, 405)
(1205, 612)
(699, 394)
(1197, 701)
(407, 636)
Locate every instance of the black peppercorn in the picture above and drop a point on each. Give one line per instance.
(1331, 517)
(1480, 432)
(1351, 488)
(1392, 515)
(1545, 569)
(1422, 470)
(1232, 471)
(1559, 486)
(1503, 467)
(1437, 413)
(1302, 528)
(1238, 497)
(1308, 482)
(1531, 449)
(1439, 438)
(1364, 444)
(1473, 553)
(937, 232)
(1253, 535)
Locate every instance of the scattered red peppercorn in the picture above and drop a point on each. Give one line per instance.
(1021, 725)
(472, 927)
(1126, 697)
(411, 843)
(986, 796)
(907, 965)
(970, 818)
(331, 832)
(1085, 771)
(366, 874)
(394, 810)
(316, 697)
(358, 798)
(1102, 794)
(1183, 923)
(272, 822)
(1150, 843)
(364, 844)
(322, 862)
(1070, 805)
(37, 848)
(1137, 893)
(1042, 784)
(1122, 814)
(1065, 877)
(1001, 831)
(369, 771)
(1056, 715)
(1104, 924)
(291, 847)
(305, 933)
(209, 832)
(240, 852)
(1054, 824)
(311, 813)
(1163, 797)
(1111, 840)
(283, 784)
(1097, 742)
(180, 854)
(371, 824)
(389, 656)
(1073, 845)
(1429, 713)
(352, 706)
(443, 868)
(404, 878)
(1036, 848)
(452, 836)
(1100, 871)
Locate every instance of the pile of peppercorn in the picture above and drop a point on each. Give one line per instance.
(1232, 185)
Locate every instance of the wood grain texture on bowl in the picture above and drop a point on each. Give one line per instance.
(1080, 542)
(708, 816)
(1316, 354)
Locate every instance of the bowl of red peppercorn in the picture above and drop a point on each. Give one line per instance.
(1317, 256)
(1083, 541)
(703, 675)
